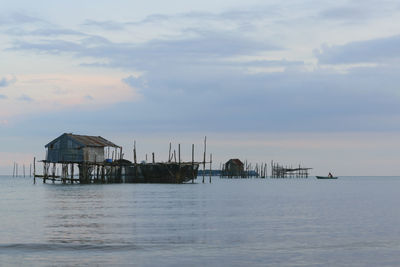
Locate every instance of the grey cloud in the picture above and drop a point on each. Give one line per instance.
(53, 46)
(105, 25)
(207, 46)
(355, 11)
(371, 51)
(137, 82)
(271, 63)
(18, 18)
(45, 32)
(55, 32)
(190, 84)
(239, 16)
(345, 13)
(234, 101)
(25, 98)
(4, 82)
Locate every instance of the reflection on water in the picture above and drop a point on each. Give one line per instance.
(230, 222)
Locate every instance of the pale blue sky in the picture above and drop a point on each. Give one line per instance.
(311, 82)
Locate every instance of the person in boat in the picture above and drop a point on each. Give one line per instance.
(330, 175)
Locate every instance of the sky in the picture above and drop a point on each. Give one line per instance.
(304, 82)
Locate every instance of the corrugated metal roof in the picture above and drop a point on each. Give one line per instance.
(92, 140)
(86, 140)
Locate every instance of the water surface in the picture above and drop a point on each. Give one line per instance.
(254, 222)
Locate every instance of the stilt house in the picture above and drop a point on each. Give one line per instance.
(234, 167)
(73, 148)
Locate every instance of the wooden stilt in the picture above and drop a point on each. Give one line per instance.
(210, 167)
(72, 173)
(179, 153)
(169, 153)
(192, 163)
(204, 157)
(34, 170)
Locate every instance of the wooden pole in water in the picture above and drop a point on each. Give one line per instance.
(72, 173)
(134, 152)
(45, 171)
(192, 163)
(175, 155)
(204, 157)
(34, 170)
(54, 171)
(30, 169)
(179, 154)
(23, 167)
(134, 158)
(169, 153)
(14, 169)
(154, 161)
(210, 167)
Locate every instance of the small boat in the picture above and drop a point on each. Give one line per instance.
(326, 177)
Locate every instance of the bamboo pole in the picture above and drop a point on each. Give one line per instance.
(179, 154)
(34, 170)
(134, 152)
(72, 173)
(192, 163)
(204, 157)
(169, 152)
(210, 167)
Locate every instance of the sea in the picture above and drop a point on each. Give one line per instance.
(351, 221)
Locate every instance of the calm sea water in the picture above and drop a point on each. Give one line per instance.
(254, 222)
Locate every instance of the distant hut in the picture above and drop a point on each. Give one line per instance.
(234, 168)
(73, 148)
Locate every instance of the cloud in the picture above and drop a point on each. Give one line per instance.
(53, 47)
(7, 81)
(105, 25)
(89, 97)
(3, 96)
(346, 13)
(238, 16)
(19, 18)
(204, 47)
(43, 32)
(370, 51)
(136, 82)
(42, 93)
(224, 79)
(25, 98)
